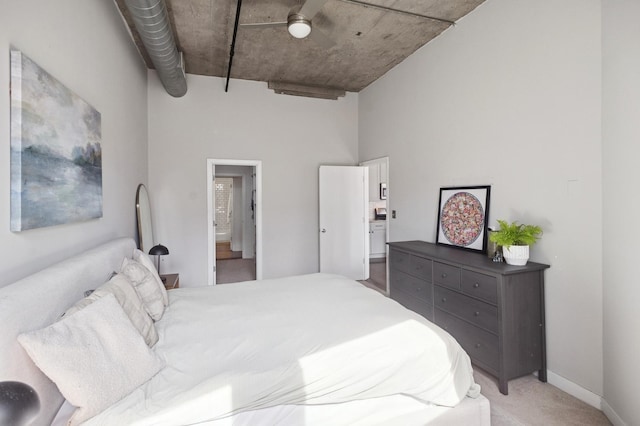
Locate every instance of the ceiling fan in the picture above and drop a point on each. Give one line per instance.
(299, 24)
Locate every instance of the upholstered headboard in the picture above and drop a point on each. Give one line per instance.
(39, 300)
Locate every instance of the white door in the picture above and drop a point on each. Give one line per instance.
(344, 224)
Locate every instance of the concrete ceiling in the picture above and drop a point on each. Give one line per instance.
(368, 41)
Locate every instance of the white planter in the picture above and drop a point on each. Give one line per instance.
(516, 255)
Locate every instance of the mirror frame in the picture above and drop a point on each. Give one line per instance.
(143, 215)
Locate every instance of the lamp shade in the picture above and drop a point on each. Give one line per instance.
(19, 403)
(159, 250)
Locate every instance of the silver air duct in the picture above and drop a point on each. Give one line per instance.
(152, 22)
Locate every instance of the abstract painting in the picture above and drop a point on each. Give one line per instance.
(56, 153)
(463, 216)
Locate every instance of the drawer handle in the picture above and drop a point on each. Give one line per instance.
(476, 313)
(476, 285)
(444, 275)
(444, 299)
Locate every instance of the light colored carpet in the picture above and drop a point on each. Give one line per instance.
(235, 270)
(533, 403)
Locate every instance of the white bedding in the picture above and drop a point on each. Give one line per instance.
(314, 339)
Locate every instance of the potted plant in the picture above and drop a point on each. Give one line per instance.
(515, 240)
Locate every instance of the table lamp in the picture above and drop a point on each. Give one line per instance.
(157, 251)
(19, 403)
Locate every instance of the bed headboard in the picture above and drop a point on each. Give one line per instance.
(38, 300)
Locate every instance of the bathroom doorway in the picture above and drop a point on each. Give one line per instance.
(224, 217)
(234, 212)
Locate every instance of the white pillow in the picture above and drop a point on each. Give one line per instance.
(146, 261)
(146, 287)
(128, 298)
(95, 357)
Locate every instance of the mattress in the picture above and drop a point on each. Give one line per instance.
(386, 411)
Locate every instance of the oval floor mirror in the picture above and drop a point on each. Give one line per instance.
(143, 210)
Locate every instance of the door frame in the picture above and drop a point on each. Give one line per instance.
(211, 259)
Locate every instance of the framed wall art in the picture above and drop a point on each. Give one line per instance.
(56, 154)
(463, 215)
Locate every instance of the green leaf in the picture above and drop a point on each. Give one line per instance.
(514, 234)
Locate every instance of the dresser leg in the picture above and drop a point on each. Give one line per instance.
(542, 375)
(503, 386)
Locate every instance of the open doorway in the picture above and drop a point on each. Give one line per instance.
(378, 223)
(234, 211)
(228, 216)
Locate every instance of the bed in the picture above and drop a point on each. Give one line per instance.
(308, 350)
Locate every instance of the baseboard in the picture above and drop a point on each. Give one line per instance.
(613, 417)
(585, 395)
(575, 390)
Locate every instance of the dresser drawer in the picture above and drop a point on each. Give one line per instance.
(413, 265)
(412, 286)
(446, 275)
(421, 267)
(481, 345)
(410, 302)
(482, 286)
(400, 261)
(474, 311)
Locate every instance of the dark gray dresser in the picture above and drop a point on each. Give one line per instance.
(494, 310)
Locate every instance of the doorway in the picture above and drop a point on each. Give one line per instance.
(379, 221)
(228, 215)
(224, 212)
(235, 220)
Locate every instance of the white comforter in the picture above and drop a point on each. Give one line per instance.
(313, 339)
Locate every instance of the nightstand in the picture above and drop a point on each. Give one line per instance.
(170, 281)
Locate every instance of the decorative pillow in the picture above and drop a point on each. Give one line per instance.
(95, 357)
(146, 287)
(125, 294)
(146, 261)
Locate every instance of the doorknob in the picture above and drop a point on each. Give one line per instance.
(323, 230)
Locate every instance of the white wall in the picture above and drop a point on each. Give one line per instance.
(292, 136)
(84, 45)
(621, 133)
(509, 97)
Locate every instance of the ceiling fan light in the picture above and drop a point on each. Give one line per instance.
(299, 27)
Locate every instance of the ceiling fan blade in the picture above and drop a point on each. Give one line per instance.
(321, 38)
(311, 7)
(264, 25)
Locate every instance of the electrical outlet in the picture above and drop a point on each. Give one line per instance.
(393, 214)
